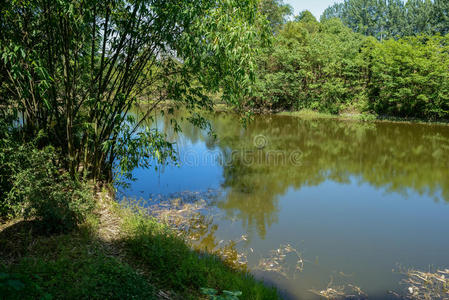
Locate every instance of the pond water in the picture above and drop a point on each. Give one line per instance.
(358, 201)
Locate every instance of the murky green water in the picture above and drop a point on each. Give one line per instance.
(356, 200)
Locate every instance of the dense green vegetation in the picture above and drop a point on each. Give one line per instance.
(34, 185)
(408, 77)
(311, 66)
(71, 71)
(385, 19)
(331, 66)
(70, 266)
(142, 260)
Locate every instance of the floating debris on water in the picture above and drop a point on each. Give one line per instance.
(425, 285)
(340, 291)
(277, 261)
(191, 215)
(209, 195)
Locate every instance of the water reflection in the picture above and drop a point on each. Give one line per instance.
(398, 158)
(356, 197)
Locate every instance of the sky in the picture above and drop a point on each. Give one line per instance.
(316, 7)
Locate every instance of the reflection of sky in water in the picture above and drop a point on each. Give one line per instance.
(171, 179)
(360, 214)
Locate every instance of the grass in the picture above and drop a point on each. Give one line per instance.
(356, 116)
(306, 113)
(177, 268)
(65, 266)
(313, 114)
(117, 253)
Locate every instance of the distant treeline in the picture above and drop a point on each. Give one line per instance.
(392, 18)
(330, 67)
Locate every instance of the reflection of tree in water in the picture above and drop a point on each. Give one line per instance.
(396, 157)
(399, 158)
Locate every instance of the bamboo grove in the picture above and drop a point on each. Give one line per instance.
(71, 70)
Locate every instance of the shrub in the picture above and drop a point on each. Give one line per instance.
(9, 284)
(409, 77)
(40, 190)
(312, 66)
(13, 156)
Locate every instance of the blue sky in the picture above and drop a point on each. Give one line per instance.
(315, 6)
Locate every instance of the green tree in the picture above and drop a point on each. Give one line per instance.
(408, 77)
(441, 16)
(419, 15)
(308, 20)
(306, 16)
(73, 70)
(391, 18)
(276, 12)
(312, 65)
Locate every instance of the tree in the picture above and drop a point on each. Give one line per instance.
(312, 66)
(73, 70)
(408, 77)
(391, 18)
(276, 13)
(441, 16)
(308, 20)
(419, 17)
(333, 11)
(306, 17)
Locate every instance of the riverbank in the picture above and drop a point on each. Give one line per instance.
(313, 114)
(356, 116)
(117, 253)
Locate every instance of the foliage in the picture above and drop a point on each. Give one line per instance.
(276, 13)
(227, 295)
(10, 159)
(143, 148)
(69, 266)
(177, 267)
(441, 16)
(313, 65)
(392, 18)
(408, 77)
(73, 69)
(9, 284)
(40, 190)
(325, 66)
(306, 17)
